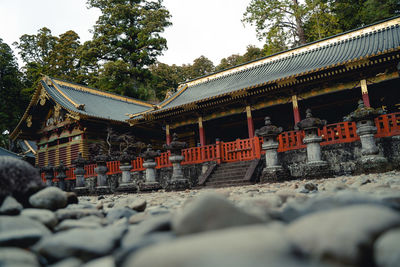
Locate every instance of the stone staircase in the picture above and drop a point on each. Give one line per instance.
(231, 174)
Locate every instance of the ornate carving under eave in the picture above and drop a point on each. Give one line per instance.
(43, 97)
(29, 121)
(74, 116)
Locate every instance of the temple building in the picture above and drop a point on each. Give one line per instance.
(329, 76)
(65, 118)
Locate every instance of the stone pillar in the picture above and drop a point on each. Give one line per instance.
(48, 174)
(80, 187)
(273, 170)
(126, 184)
(61, 175)
(250, 123)
(371, 160)
(177, 181)
(101, 171)
(315, 167)
(150, 164)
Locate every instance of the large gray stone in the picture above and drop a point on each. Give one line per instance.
(20, 231)
(131, 244)
(63, 214)
(158, 223)
(19, 179)
(115, 214)
(71, 224)
(210, 211)
(70, 262)
(51, 198)
(84, 244)
(101, 262)
(294, 209)
(255, 245)
(344, 235)
(17, 257)
(10, 206)
(46, 217)
(138, 205)
(387, 249)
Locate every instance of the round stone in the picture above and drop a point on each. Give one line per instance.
(51, 198)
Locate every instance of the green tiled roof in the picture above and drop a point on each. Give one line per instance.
(324, 54)
(96, 103)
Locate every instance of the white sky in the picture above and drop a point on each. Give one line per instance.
(212, 28)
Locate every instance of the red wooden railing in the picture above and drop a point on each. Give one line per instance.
(388, 125)
(249, 149)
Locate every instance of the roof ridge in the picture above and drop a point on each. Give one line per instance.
(95, 91)
(331, 40)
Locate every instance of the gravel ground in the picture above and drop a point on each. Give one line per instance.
(342, 221)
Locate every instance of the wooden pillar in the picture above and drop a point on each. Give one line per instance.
(250, 124)
(201, 132)
(364, 92)
(296, 112)
(167, 135)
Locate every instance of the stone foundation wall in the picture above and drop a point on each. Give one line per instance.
(342, 158)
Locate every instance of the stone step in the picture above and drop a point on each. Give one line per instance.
(223, 180)
(224, 175)
(235, 164)
(229, 172)
(228, 183)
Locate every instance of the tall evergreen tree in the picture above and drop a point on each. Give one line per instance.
(126, 41)
(12, 104)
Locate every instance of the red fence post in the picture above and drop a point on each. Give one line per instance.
(218, 151)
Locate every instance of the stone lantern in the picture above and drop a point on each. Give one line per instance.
(61, 169)
(315, 165)
(366, 129)
(273, 170)
(177, 181)
(48, 174)
(79, 164)
(150, 164)
(125, 185)
(101, 171)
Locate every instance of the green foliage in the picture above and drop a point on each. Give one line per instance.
(352, 14)
(166, 78)
(277, 20)
(288, 23)
(321, 21)
(12, 103)
(252, 53)
(126, 41)
(45, 54)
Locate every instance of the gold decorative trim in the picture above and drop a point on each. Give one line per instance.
(74, 116)
(29, 121)
(43, 97)
(180, 91)
(200, 122)
(76, 105)
(238, 93)
(248, 111)
(364, 88)
(286, 81)
(30, 147)
(294, 101)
